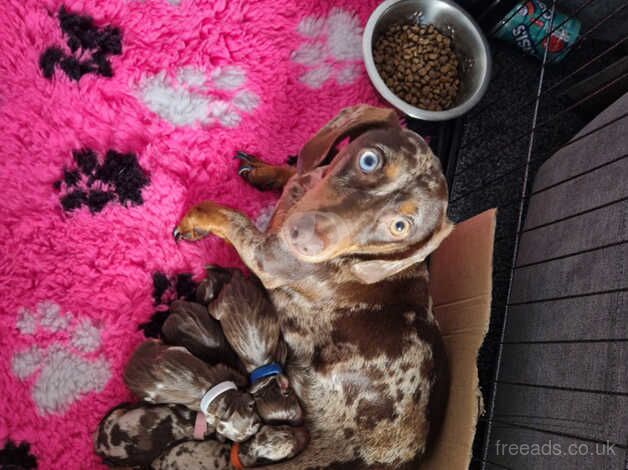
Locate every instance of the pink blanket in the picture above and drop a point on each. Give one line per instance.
(110, 130)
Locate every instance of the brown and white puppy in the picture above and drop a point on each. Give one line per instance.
(255, 334)
(271, 444)
(158, 373)
(343, 262)
(249, 322)
(133, 435)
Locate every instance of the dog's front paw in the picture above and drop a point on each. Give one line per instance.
(201, 220)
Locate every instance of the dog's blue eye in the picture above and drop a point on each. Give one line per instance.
(400, 226)
(369, 161)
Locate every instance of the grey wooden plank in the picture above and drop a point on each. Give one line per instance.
(559, 450)
(587, 273)
(589, 415)
(591, 230)
(592, 146)
(582, 366)
(586, 192)
(592, 318)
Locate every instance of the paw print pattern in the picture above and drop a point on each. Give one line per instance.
(68, 368)
(119, 178)
(332, 48)
(90, 48)
(192, 97)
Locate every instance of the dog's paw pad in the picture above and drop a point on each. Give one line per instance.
(66, 369)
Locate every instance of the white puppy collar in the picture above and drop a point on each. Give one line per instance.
(215, 392)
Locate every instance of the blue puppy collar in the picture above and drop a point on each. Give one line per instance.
(265, 371)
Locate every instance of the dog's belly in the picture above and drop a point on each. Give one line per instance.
(366, 411)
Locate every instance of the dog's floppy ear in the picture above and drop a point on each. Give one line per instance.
(377, 270)
(350, 122)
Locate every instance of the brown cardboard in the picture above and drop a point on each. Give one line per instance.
(461, 273)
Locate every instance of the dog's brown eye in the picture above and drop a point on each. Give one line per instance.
(369, 161)
(399, 227)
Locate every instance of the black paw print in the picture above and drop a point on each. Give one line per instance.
(90, 48)
(119, 178)
(18, 457)
(166, 291)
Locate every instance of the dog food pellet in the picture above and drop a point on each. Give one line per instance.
(418, 63)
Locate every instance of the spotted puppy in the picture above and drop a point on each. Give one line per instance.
(343, 261)
(249, 322)
(164, 374)
(160, 437)
(133, 435)
(271, 444)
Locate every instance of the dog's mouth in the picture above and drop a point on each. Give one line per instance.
(314, 236)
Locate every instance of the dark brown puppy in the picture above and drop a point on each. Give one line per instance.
(164, 374)
(342, 260)
(189, 325)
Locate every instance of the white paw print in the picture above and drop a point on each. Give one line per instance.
(333, 48)
(192, 97)
(68, 368)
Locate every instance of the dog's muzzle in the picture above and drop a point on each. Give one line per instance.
(314, 236)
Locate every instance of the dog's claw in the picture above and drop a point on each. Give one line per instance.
(244, 156)
(243, 170)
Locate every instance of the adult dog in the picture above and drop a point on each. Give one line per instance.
(343, 262)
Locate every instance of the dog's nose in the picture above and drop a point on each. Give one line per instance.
(312, 234)
(176, 234)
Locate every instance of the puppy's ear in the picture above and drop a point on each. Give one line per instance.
(350, 122)
(373, 271)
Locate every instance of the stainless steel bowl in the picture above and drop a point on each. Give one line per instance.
(469, 44)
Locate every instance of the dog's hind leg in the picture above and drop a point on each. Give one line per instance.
(262, 175)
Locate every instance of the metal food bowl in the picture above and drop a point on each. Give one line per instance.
(469, 43)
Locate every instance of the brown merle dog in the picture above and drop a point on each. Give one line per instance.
(343, 262)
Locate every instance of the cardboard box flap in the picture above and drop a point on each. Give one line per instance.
(461, 283)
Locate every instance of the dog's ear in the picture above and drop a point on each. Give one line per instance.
(370, 272)
(350, 122)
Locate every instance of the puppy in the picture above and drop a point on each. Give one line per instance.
(249, 322)
(189, 325)
(158, 373)
(271, 444)
(133, 435)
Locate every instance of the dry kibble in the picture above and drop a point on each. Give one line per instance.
(418, 64)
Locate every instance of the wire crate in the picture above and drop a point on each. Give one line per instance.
(532, 354)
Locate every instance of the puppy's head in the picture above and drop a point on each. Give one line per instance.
(381, 199)
(272, 444)
(276, 402)
(233, 416)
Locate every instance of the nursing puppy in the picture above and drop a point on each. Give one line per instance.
(160, 437)
(270, 444)
(189, 325)
(249, 322)
(158, 373)
(255, 335)
(133, 435)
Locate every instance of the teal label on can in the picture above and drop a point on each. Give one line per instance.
(528, 26)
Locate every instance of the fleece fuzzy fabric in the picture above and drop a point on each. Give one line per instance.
(115, 117)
